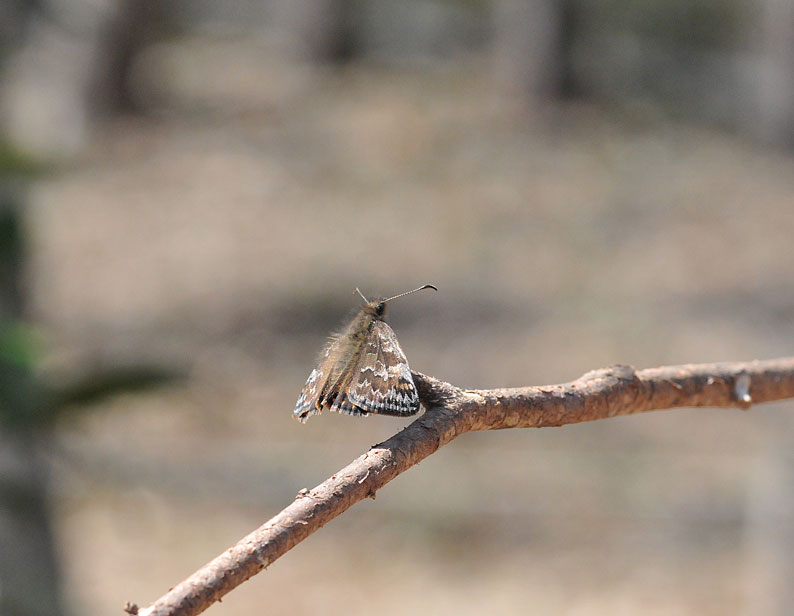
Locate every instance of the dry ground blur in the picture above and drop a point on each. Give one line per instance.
(225, 234)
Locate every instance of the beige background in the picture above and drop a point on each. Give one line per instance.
(226, 236)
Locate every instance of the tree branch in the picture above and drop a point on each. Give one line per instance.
(609, 392)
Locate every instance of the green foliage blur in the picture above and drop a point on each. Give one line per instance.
(21, 400)
(21, 396)
(25, 401)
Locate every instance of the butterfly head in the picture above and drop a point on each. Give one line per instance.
(377, 306)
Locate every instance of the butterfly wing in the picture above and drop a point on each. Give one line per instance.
(309, 402)
(335, 395)
(328, 383)
(342, 403)
(306, 406)
(382, 382)
(360, 375)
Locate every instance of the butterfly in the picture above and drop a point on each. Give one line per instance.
(362, 370)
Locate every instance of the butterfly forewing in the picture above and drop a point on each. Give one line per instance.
(309, 402)
(382, 379)
(305, 406)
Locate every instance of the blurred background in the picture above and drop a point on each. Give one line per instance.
(190, 193)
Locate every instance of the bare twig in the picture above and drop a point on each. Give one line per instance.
(619, 390)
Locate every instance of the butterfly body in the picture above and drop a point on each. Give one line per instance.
(362, 370)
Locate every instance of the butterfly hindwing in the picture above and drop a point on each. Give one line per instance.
(337, 400)
(342, 404)
(382, 381)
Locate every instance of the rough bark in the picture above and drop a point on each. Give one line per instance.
(619, 390)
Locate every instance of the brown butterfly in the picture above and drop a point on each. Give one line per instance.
(362, 370)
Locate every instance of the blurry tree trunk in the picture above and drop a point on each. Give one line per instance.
(129, 29)
(28, 572)
(27, 561)
(320, 30)
(11, 300)
(529, 47)
(774, 40)
(71, 66)
(42, 85)
(14, 19)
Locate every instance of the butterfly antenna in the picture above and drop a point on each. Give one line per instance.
(366, 301)
(427, 286)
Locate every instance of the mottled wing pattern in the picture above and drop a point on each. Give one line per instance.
(382, 381)
(335, 397)
(309, 403)
(341, 402)
(327, 385)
